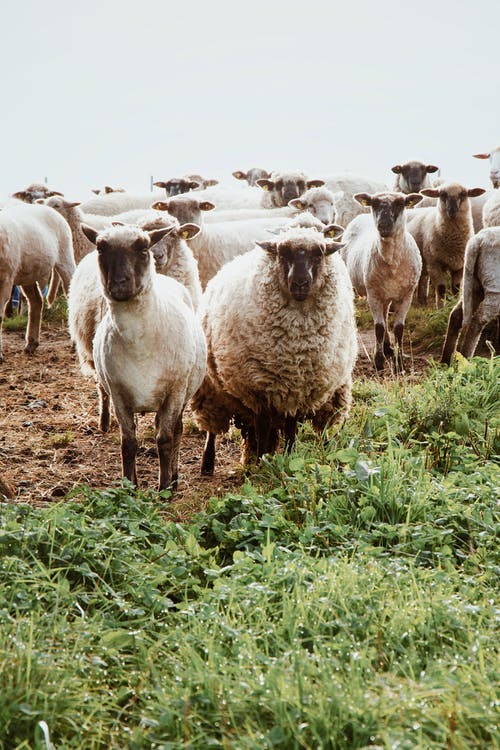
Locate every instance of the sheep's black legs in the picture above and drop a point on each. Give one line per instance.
(452, 333)
(208, 460)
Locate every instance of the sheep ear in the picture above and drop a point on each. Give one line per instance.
(207, 206)
(265, 184)
(481, 156)
(162, 184)
(297, 203)
(431, 168)
(364, 199)
(315, 183)
(269, 246)
(108, 189)
(334, 231)
(160, 205)
(117, 223)
(193, 185)
(74, 204)
(89, 232)
(333, 247)
(240, 175)
(396, 169)
(211, 183)
(188, 231)
(155, 235)
(21, 195)
(474, 192)
(412, 199)
(96, 191)
(430, 192)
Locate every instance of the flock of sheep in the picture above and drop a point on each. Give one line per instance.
(240, 299)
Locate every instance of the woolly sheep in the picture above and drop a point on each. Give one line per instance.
(35, 242)
(281, 341)
(149, 350)
(441, 233)
(494, 158)
(111, 204)
(252, 175)
(384, 265)
(480, 295)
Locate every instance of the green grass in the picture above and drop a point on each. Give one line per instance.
(346, 598)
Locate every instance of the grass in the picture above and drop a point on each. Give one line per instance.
(345, 599)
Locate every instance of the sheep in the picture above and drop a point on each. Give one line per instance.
(384, 265)
(281, 341)
(494, 157)
(217, 243)
(413, 176)
(480, 295)
(33, 192)
(491, 210)
(203, 182)
(107, 189)
(344, 187)
(252, 175)
(282, 187)
(35, 242)
(177, 185)
(149, 350)
(111, 204)
(70, 211)
(441, 233)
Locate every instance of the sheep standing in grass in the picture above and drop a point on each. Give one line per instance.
(384, 265)
(281, 341)
(35, 242)
(480, 294)
(441, 233)
(149, 350)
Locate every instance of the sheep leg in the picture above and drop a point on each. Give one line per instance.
(456, 280)
(379, 314)
(400, 313)
(452, 333)
(35, 304)
(290, 432)
(168, 438)
(5, 296)
(248, 444)
(266, 434)
(423, 287)
(103, 408)
(126, 421)
(485, 312)
(208, 459)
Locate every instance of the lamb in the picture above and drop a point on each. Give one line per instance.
(491, 210)
(480, 295)
(35, 242)
(281, 341)
(149, 350)
(441, 233)
(252, 175)
(384, 265)
(218, 243)
(494, 157)
(345, 187)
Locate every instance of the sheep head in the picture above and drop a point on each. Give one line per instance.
(388, 209)
(453, 197)
(413, 175)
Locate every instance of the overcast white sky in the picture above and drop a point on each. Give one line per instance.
(113, 91)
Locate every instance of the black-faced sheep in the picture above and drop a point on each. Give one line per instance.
(281, 341)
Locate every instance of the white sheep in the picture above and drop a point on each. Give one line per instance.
(494, 159)
(219, 243)
(110, 204)
(281, 341)
(253, 174)
(70, 211)
(384, 265)
(345, 186)
(479, 301)
(491, 210)
(35, 243)
(149, 350)
(441, 233)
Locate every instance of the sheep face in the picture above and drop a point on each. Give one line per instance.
(178, 185)
(453, 197)
(252, 175)
(413, 175)
(300, 263)
(60, 205)
(494, 157)
(186, 210)
(284, 187)
(34, 192)
(319, 202)
(388, 210)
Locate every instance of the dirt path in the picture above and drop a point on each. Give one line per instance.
(50, 441)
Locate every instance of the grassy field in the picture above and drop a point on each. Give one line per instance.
(347, 598)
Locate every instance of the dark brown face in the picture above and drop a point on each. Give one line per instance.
(286, 190)
(413, 175)
(177, 186)
(123, 269)
(299, 268)
(451, 200)
(386, 213)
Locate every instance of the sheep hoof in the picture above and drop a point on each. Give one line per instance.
(379, 361)
(31, 347)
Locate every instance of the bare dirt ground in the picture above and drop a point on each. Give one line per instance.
(49, 437)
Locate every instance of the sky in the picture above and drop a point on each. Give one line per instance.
(114, 91)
